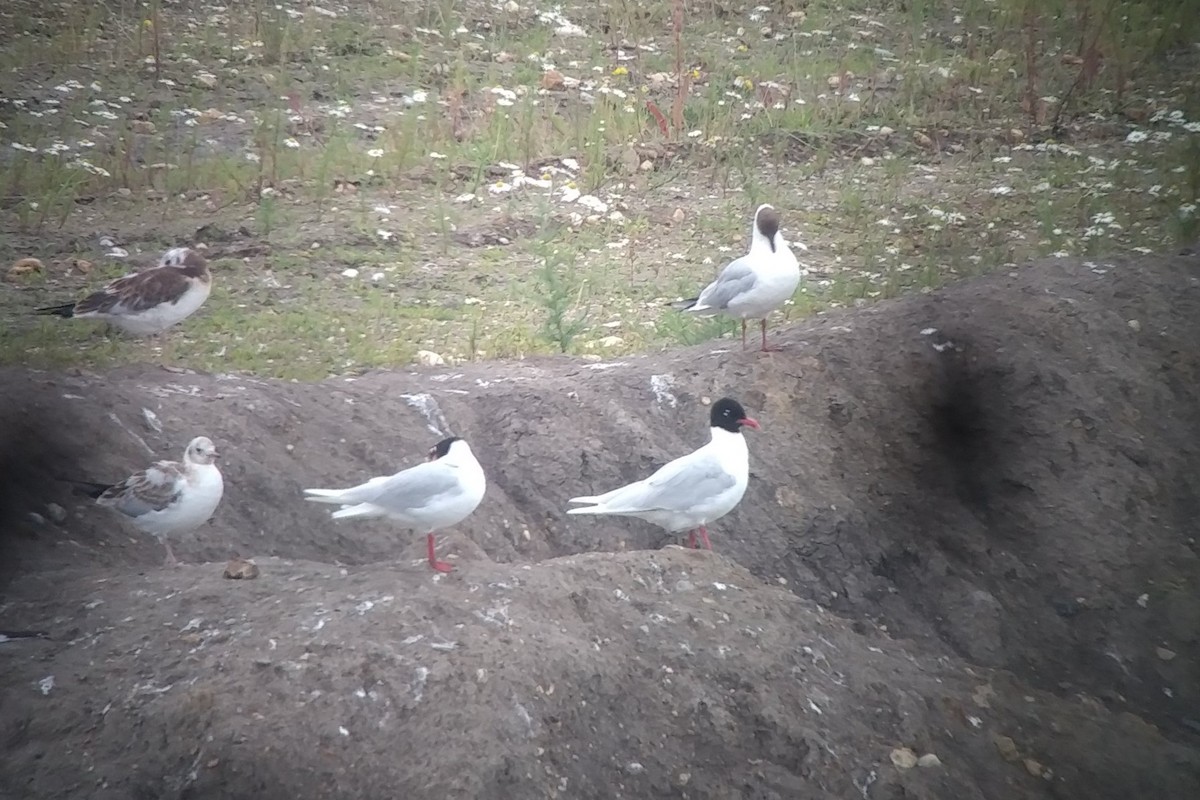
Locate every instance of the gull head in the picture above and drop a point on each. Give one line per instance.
(442, 448)
(201, 451)
(766, 221)
(728, 414)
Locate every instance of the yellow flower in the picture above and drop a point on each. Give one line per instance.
(620, 71)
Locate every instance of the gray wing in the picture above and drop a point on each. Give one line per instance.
(153, 489)
(736, 279)
(680, 485)
(412, 489)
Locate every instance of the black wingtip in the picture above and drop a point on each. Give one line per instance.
(65, 310)
(89, 488)
(683, 305)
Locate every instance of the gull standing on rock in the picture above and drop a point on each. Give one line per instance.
(439, 493)
(168, 497)
(753, 286)
(147, 302)
(693, 490)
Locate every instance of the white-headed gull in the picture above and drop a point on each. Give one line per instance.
(753, 286)
(167, 497)
(693, 490)
(439, 493)
(147, 302)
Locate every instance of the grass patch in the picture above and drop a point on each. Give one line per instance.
(378, 179)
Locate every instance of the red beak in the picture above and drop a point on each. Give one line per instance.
(750, 422)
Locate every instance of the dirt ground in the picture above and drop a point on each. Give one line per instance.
(969, 532)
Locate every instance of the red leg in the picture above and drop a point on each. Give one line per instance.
(765, 347)
(440, 566)
(743, 334)
(704, 537)
(692, 540)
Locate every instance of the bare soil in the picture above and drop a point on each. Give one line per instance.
(970, 532)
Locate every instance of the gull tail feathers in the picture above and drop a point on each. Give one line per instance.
(89, 488)
(64, 310)
(360, 510)
(333, 496)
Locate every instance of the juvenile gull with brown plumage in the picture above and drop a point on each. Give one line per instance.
(168, 497)
(147, 302)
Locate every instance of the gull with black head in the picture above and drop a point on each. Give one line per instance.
(693, 490)
(754, 285)
(433, 495)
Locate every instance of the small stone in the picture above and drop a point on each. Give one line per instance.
(635, 768)
(350, 272)
(610, 341)
(647, 166)
(240, 569)
(684, 778)
(142, 126)
(1134, 325)
(1034, 768)
(553, 80)
(982, 695)
(904, 758)
(82, 265)
(1007, 747)
(1143, 600)
(151, 420)
(678, 215)
(58, 514)
(512, 7)
(834, 81)
(929, 760)
(428, 358)
(1164, 653)
(24, 266)
(504, 57)
(206, 80)
(886, 131)
(922, 139)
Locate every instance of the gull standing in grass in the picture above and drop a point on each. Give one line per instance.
(693, 490)
(147, 302)
(753, 286)
(439, 493)
(168, 497)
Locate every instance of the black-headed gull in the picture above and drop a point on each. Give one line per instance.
(693, 490)
(167, 497)
(147, 302)
(753, 286)
(439, 493)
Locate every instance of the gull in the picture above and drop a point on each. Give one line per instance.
(147, 302)
(753, 286)
(167, 497)
(433, 495)
(693, 490)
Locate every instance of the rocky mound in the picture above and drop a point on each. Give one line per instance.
(969, 534)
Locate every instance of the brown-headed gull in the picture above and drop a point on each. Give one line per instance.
(147, 302)
(433, 495)
(167, 497)
(693, 490)
(753, 286)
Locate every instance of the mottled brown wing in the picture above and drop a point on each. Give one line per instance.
(152, 489)
(138, 292)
